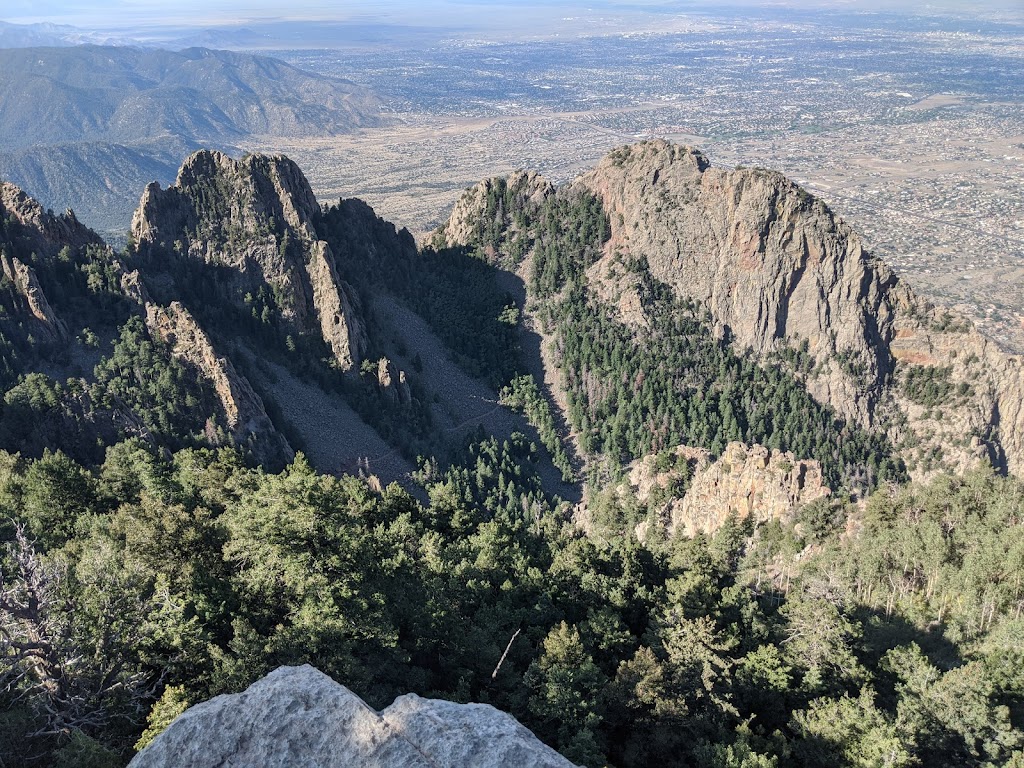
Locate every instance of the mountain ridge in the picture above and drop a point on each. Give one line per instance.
(779, 274)
(779, 277)
(725, 565)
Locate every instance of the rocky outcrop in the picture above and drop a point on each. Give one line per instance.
(333, 301)
(746, 482)
(489, 206)
(299, 716)
(776, 268)
(772, 264)
(244, 412)
(392, 383)
(254, 221)
(44, 321)
(40, 231)
(30, 237)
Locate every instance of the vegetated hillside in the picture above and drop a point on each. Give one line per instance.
(769, 274)
(750, 578)
(69, 113)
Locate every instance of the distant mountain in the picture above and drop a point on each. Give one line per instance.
(79, 122)
(126, 95)
(28, 35)
(259, 34)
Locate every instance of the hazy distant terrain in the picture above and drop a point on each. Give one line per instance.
(89, 126)
(908, 123)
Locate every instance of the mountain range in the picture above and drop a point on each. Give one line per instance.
(89, 123)
(661, 461)
(699, 265)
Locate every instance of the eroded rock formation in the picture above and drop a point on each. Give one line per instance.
(244, 411)
(746, 482)
(392, 382)
(254, 221)
(44, 321)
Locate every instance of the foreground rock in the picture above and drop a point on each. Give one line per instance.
(298, 716)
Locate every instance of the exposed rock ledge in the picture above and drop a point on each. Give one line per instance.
(298, 716)
(747, 481)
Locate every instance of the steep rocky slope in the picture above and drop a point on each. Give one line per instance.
(776, 268)
(65, 251)
(771, 263)
(255, 221)
(487, 212)
(299, 716)
(38, 313)
(782, 278)
(243, 410)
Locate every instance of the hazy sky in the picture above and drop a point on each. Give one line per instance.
(132, 13)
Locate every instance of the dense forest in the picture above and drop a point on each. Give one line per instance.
(147, 583)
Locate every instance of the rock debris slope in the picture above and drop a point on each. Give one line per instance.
(298, 716)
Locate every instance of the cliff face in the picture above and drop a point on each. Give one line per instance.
(23, 219)
(746, 481)
(255, 220)
(299, 716)
(40, 315)
(776, 268)
(772, 264)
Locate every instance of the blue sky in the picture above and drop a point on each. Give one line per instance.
(132, 12)
(135, 13)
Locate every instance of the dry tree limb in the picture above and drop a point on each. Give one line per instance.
(508, 647)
